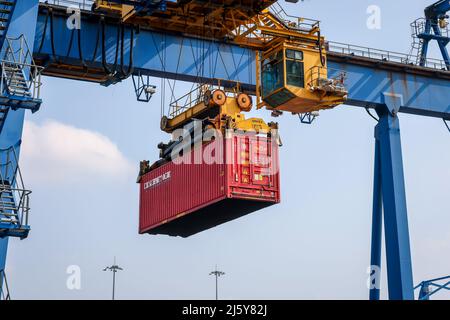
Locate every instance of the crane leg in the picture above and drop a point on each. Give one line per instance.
(377, 219)
(3, 250)
(398, 252)
(426, 42)
(13, 126)
(442, 46)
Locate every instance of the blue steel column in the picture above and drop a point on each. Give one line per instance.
(442, 46)
(377, 219)
(398, 254)
(24, 22)
(426, 42)
(3, 251)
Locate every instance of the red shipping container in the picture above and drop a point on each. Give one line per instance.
(210, 185)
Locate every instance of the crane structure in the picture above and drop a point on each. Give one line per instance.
(434, 26)
(428, 288)
(254, 45)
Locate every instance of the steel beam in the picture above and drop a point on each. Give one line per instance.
(442, 45)
(425, 91)
(377, 227)
(23, 22)
(3, 252)
(154, 54)
(368, 83)
(398, 254)
(425, 44)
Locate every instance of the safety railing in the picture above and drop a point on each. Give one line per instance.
(20, 76)
(200, 94)
(294, 22)
(32, 86)
(327, 80)
(188, 101)
(419, 27)
(82, 4)
(14, 197)
(382, 55)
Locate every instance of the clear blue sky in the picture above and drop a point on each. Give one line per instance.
(81, 154)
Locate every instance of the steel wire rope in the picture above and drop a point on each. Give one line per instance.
(44, 32)
(163, 82)
(129, 71)
(110, 72)
(180, 52)
(80, 49)
(162, 60)
(97, 41)
(70, 43)
(52, 35)
(224, 64)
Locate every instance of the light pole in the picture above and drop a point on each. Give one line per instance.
(217, 274)
(114, 268)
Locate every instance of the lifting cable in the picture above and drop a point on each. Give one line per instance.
(163, 82)
(180, 52)
(197, 71)
(119, 50)
(52, 34)
(234, 62)
(129, 71)
(105, 66)
(97, 41)
(446, 124)
(44, 32)
(70, 43)
(50, 16)
(80, 49)
(223, 62)
(116, 57)
(162, 59)
(104, 62)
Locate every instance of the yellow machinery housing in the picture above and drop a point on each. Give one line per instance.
(292, 73)
(222, 109)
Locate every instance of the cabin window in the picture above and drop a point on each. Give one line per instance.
(272, 74)
(295, 74)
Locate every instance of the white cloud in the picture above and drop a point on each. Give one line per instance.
(57, 152)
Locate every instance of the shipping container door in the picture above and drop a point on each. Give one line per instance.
(254, 171)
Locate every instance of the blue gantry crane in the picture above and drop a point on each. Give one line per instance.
(430, 287)
(435, 27)
(142, 39)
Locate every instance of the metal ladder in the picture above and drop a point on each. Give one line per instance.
(6, 13)
(18, 84)
(20, 80)
(9, 211)
(417, 45)
(14, 198)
